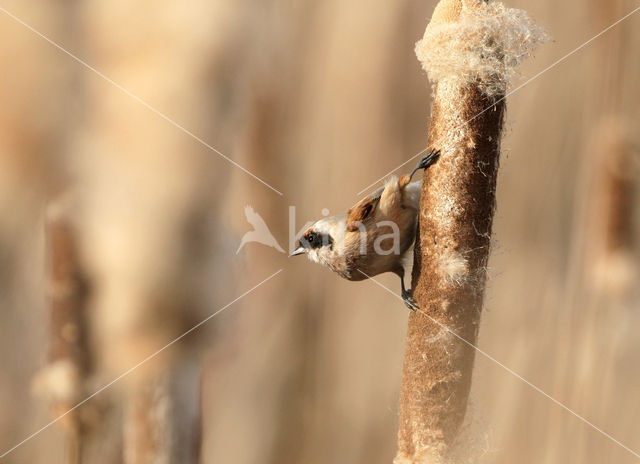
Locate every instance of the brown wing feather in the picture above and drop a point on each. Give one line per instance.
(360, 212)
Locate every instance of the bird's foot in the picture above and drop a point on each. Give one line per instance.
(426, 161)
(429, 159)
(407, 297)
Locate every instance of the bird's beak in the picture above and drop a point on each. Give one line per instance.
(297, 251)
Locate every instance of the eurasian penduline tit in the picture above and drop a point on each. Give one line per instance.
(375, 236)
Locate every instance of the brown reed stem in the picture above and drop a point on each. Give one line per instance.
(62, 380)
(456, 214)
(449, 275)
(611, 207)
(162, 415)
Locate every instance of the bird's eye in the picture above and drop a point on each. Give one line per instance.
(310, 238)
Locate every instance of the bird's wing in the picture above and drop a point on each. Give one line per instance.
(361, 211)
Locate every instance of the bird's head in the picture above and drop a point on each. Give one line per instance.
(321, 241)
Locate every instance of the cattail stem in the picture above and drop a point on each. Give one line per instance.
(62, 380)
(450, 273)
(162, 411)
(610, 212)
(469, 50)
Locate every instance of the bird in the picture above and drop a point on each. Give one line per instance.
(260, 232)
(375, 236)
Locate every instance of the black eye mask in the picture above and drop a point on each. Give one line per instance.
(315, 240)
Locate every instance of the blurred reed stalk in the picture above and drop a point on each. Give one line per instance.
(610, 239)
(161, 416)
(610, 247)
(469, 50)
(62, 380)
(607, 296)
(93, 430)
(148, 193)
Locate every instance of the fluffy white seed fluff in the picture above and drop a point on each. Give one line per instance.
(486, 45)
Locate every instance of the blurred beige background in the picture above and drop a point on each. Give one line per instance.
(318, 99)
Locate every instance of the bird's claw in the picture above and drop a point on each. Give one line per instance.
(429, 159)
(426, 161)
(411, 304)
(407, 297)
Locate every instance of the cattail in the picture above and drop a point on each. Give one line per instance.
(605, 293)
(470, 50)
(62, 380)
(612, 194)
(145, 202)
(92, 430)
